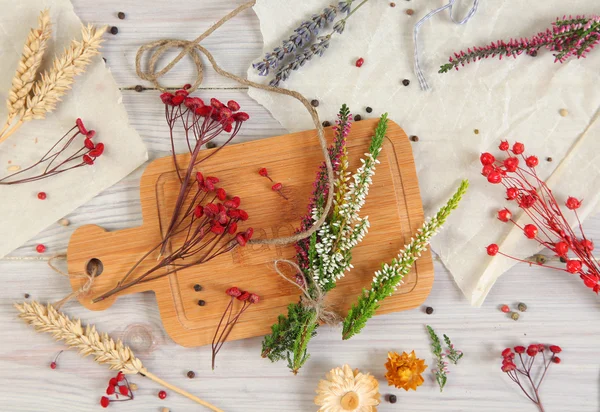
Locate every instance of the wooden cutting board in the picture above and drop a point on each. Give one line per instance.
(393, 206)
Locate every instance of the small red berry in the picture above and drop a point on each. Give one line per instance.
(162, 394)
(487, 169)
(233, 292)
(41, 195)
(104, 401)
(587, 245)
(277, 187)
(556, 359)
(123, 390)
(88, 144)
(532, 161)
(573, 203)
(233, 105)
(511, 164)
(110, 390)
(512, 193)
(90, 134)
(561, 248)
(518, 148)
(573, 266)
(254, 298)
(241, 239)
(113, 381)
(40, 248)
(53, 365)
(520, 349)
(487, 159)
(530, 231)
(504, 215)
(80, 126)
(492, 249)
(555, 349)
(187, 86)
(360, 62)
(494, 177)
(506, 352)
(244, 296)
(97, 151)
(532, 350)
(505, 308)
(503, 145)
(88, 160)
(263, 172)
(221, 194)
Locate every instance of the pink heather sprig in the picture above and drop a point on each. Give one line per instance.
(549, 226)
(522, 375)
(341, 129)
(568, 37)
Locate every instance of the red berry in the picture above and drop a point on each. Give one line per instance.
(244, 296)
(573, 203)
(555, 349)
(573, 266)
(487, 159)
(221, 194)
(241, 239)
(532, 161)
(53, 365)
(504, 215)
(494, 177)
(532, 350)
(561, 248)
(123, 390)
(88, 144)
(505, 308)
(506, 352)
(587, 245)
(556, 359)
(97, 151)
(518, 148)
(88, 160)
(520, 349)
(104, 401)
(511, 164)
(360, 62)
(277, 186)
(487, 169)
(249, 233)
(526, 201)
(233, 292)
(41, 195)
(90, 135)
(162, 394)
(40, 248)
(503, 145)
(512, 193)
(233, 105)
(110, 390)
(263, 172)
(530, 231)
(492, 249)
(113, 381)
(80, 126)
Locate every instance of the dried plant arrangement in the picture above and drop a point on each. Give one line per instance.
(87, 341)
(441, 358)
(53, 84)
(568, 37)
(390, 276)
(74, 149)
(205, 218)
(326, 256)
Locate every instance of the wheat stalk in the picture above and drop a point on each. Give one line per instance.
(89, 342)
(27, 70)
(55, 82)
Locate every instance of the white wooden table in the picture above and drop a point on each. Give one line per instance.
(561, 310)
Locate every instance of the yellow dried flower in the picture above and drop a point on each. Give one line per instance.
(404, 371)
(346, 390)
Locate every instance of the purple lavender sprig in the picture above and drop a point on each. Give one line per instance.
(568, 37)
(298, 40)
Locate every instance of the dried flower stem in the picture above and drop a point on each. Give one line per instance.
(54, 83)
(89, 342)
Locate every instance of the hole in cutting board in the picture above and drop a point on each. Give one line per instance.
(96, 265)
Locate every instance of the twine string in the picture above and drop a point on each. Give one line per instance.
(84, 289)
(317, 303)
(418, 71)
(194, 49)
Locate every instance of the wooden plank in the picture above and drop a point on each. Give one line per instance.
(393, 206)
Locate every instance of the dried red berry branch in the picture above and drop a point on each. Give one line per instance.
(549, 226)
(68, 153)
(117, 386)
(523, 375)
(204, 220)
(221, 335)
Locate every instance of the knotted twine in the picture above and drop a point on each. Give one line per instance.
(91, 277)
(317, 303)
(192, 48)
(450, 6)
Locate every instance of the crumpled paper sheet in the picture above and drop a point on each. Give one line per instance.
(518, 100)
(95, 98)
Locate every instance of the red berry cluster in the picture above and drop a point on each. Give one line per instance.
(549, 226)
(94, 150)
(277, 187)
(522, 375)
(119, 388)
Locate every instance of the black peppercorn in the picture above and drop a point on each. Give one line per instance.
(201, 302)
(549, 159)
(357, 118)
(121, 15)
(414, 138)
(314, 103)
(211, 145)
(139, 88)
(563, 260)
(406, 82)
(368, 109)
(197, 288)
(429, 310)
(326, 124)
(392, 398)
(191, 375)
(104, 59)
(392, 4)
(410, 12)
(26, 296)
(114, 30)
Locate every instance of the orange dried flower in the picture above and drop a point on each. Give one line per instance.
(404, 371)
